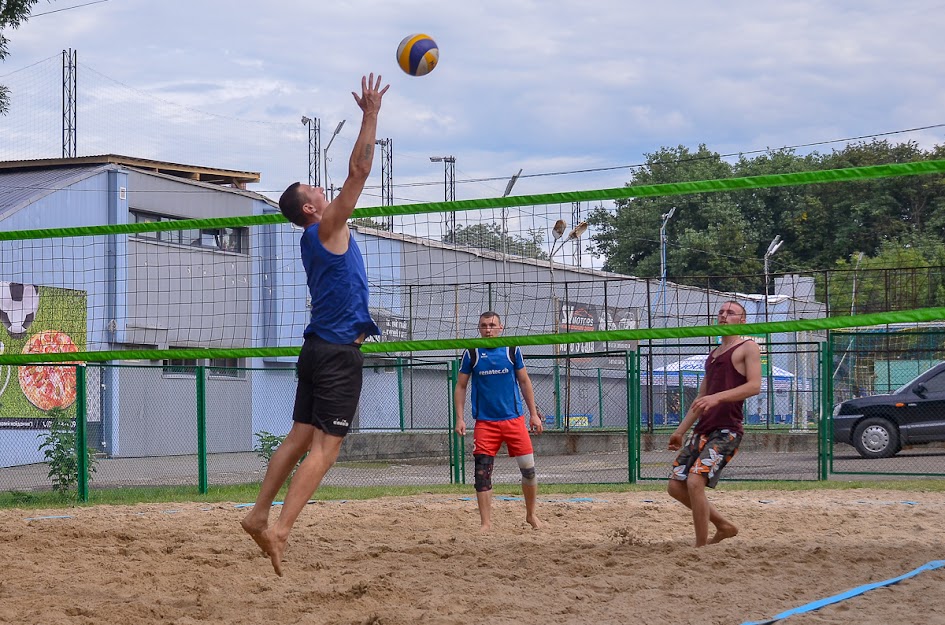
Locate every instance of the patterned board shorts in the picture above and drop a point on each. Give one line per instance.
(706, 454)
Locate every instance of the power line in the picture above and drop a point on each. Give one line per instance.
(78, 6)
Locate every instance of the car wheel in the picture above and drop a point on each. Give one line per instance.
(876, 437)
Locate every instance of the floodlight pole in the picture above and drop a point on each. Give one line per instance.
(773, 247)
(449, 192)
(556, 245)
(325, 156)
(662, 295)
(314, 148)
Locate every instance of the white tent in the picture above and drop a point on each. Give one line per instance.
(690, 371)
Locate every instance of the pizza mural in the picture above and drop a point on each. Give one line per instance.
(45, 386)
(39, 319)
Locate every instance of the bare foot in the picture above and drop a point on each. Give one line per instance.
(723, 531)
(255, 529)
(274, 547)
(532, 520)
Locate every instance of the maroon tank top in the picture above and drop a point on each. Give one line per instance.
(721, 375)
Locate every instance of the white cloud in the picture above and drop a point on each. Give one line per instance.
(532, 84)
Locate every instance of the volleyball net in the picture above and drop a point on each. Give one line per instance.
(155, 287)
(189, 329)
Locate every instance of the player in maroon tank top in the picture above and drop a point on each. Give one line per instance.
(733, 374)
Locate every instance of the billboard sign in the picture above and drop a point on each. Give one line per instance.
(39, 320)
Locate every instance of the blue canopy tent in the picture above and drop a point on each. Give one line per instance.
(680, 380)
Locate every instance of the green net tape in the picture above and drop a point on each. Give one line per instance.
(774, 327)
(848, 174)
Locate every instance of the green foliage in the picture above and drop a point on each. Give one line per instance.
(59, 450)
(12, 14)
(896, 222)
(489, 236)
(266, 444)
(367, 222)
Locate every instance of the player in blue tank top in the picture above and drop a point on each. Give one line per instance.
(330, 362)
(497, 375)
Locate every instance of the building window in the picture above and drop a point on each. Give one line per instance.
(180, 367)
(225, 368)
(229, 368)
(225, 239)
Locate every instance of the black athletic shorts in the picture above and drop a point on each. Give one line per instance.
(329, 387)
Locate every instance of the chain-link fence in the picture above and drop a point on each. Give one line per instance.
(607, 418)
(888, 416)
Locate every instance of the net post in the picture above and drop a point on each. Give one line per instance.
(201, 381)
(81, 432)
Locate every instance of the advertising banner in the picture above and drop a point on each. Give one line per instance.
(39, 320)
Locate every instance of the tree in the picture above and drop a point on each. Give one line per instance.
(710, 236)
(489, 236)
(719, 240)
(12, 14)
(903, 274)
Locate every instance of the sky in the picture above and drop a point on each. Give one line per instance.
(544, 86)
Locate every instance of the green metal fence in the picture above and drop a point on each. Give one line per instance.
(608, 417)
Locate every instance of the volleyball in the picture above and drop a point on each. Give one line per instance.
(417, 54)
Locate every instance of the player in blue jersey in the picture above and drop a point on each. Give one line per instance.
(498, 374)
(330, 362)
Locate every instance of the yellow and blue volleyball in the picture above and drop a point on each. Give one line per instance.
(417, 55)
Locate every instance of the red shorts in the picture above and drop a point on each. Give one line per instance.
(488, 437)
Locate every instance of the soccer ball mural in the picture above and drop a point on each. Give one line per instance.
(18, 306)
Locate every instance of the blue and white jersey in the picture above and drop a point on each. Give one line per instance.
(495, 393)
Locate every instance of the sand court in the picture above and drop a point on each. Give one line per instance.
(600, 558)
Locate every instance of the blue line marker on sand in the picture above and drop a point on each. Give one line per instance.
(816, 605)
(42, 518)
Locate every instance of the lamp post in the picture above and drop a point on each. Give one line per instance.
(449, 192)
(325, 156)
(504, 243)
(773, 247)
(554, 246)
(666, 217)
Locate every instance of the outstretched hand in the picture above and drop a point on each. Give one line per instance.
(371, 94)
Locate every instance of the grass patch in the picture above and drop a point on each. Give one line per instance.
(246, 493)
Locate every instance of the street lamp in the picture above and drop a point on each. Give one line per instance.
(449, 191)
(773, 247)
(325, 155)
(554, 246)
(666, 217)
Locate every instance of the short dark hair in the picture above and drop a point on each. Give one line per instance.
(744, 310)
(490, 314)
(291, 202)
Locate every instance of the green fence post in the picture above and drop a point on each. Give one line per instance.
(633, 431)
(81, 432)
(202, 429)
(826, 410)
(600, 399)
(557, 379)
(455, 457)
(400, 391)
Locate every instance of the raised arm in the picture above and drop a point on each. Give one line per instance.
(333, 231)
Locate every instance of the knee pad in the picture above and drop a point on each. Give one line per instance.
(526, 464)
(483, 472)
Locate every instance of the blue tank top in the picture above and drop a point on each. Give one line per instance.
(495, 394)
(338, 286)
